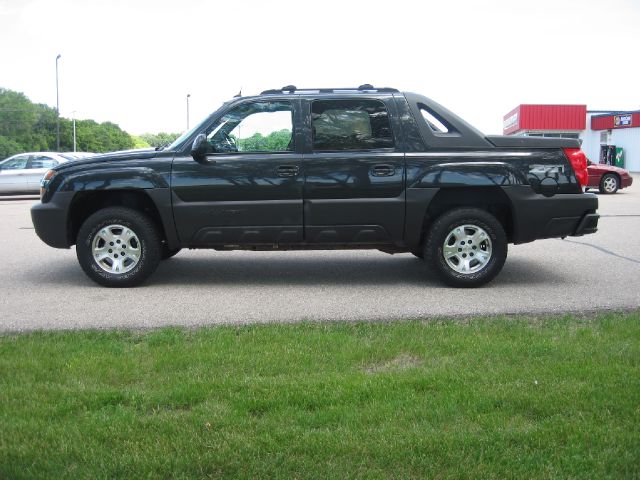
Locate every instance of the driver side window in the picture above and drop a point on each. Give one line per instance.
(254, 127)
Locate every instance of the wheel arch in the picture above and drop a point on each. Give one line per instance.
(490, 199)
(85, 203)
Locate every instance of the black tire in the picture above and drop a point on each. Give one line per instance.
(609, 183)
(485, 258)
(418, 253)
(167, 252)
(141, 255)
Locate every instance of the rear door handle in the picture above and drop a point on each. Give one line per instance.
(383, 170)
(287, 170)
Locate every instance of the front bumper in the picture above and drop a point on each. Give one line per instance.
(50, 220)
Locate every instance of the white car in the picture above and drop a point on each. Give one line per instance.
(22, 173)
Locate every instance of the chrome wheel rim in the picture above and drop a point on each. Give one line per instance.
(467, 249)
(116, 249)
(610, 184)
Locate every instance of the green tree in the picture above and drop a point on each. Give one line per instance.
(274, 142)
(139, 142)
(26, 126)
(159, 139)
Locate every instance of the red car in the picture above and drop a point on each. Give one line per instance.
(606, 178)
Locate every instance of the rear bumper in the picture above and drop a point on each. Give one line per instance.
(536, 217)
(50, 220)
(626, 182)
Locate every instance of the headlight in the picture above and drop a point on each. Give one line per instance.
(45, 181)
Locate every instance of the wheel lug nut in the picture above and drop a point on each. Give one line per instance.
(111, 243)
(110, 251)
(116, 255)
(464, 255)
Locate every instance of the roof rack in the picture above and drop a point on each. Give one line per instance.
(292, 89)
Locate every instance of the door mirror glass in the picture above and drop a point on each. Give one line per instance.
(200, 148)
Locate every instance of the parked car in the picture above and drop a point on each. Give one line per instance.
(22, 173)
(607, 178)
(354, 168)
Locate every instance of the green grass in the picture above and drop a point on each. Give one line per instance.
(485, 398)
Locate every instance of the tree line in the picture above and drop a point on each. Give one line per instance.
(29, 127)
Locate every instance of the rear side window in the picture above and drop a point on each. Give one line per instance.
(43, 162)
(436, 123)
(350, 125)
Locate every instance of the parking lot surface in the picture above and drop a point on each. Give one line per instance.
(44, 288)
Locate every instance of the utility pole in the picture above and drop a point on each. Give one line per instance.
(57, 107)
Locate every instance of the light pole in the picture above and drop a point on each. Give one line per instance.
(57, 108)
(74, 130)
(188, 95)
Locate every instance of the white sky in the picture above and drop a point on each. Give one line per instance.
(133, 62)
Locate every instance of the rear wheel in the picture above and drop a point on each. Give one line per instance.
(467, 247)
(118, 247)
(609, 183)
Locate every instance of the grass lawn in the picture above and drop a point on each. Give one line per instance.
(484, 398)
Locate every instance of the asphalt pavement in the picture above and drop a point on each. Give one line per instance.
(44, 288)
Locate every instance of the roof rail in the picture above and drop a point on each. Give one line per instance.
(292, 89)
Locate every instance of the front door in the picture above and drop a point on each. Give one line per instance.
(249, 189)
(13, 174)
(354, 189)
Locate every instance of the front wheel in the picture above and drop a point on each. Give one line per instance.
(467, 247)
(118, 247)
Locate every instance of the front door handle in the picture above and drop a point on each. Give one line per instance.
(287, 170)
(383, 170)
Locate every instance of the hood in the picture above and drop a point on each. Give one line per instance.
(137, 154)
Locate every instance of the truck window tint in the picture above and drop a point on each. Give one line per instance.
(254, 127)
(350, 125)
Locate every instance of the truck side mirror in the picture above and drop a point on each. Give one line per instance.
(200, 148)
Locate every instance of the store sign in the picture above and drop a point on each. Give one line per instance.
(622, 120)
(510, 122)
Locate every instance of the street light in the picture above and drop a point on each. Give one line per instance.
(57, 108)
(188, 95)
(74, 129)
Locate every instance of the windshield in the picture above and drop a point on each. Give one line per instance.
(178, 142)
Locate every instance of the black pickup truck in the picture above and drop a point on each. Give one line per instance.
(325, 168)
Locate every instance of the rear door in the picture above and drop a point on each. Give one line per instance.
(354, 173)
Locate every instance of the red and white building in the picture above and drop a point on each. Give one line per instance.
(604, 135)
